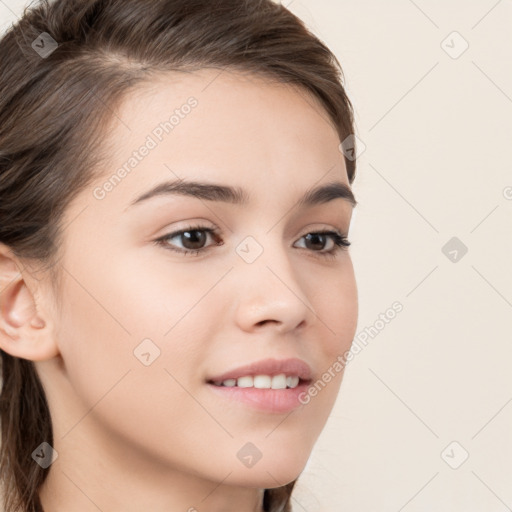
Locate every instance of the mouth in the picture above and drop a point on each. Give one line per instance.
(258, 394)
(266, 373)
(271, 386)
(280, 381)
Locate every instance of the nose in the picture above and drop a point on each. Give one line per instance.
(271, 293)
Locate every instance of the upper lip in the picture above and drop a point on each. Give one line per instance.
(293, 366)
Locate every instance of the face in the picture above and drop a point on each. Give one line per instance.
(163, 295)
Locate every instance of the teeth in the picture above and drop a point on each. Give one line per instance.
(262, 382)
(292, 382)
(245, 382)
(280, 381)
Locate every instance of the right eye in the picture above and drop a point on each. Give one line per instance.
(193, 242)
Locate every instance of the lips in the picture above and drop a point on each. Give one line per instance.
(271, 367)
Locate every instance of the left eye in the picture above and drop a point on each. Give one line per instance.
(193, 239)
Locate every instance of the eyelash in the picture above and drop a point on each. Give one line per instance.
(341, 242)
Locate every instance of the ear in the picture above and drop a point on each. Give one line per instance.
(24, 332)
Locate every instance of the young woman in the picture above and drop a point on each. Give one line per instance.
(174, 268)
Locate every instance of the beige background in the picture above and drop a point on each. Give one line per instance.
(437, 131)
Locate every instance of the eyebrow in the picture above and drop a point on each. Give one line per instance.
(238, 196)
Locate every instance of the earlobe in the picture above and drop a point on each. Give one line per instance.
(24, 332)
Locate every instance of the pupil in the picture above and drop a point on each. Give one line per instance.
(315, 236)
(193, 239)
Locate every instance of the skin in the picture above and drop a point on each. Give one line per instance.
(132, 437)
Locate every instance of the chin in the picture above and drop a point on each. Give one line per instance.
(266, 478)
(272, 471)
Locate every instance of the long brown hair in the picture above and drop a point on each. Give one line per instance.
(54, 110)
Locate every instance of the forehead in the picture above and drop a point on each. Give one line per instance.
(234, 115)
(248, 131)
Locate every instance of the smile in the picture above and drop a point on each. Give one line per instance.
(280, 381)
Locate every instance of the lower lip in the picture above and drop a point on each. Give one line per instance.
(277, 401)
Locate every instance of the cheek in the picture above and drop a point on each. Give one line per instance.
(337, 309)
(134, 317)
(335, 303)
(123, 372)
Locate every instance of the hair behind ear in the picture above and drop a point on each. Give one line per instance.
(25, 417)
